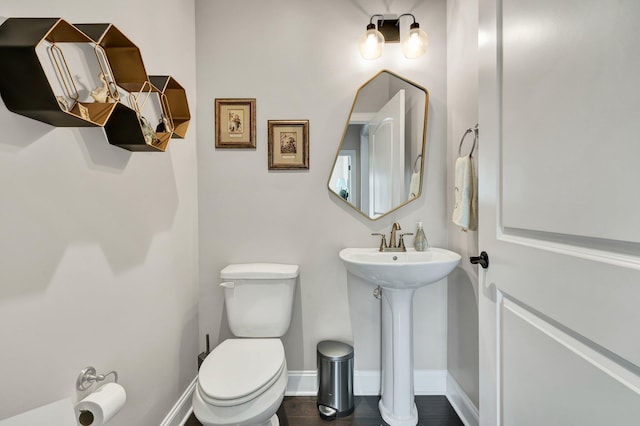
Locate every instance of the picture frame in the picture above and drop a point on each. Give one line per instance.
(235, 123)
(288, 142)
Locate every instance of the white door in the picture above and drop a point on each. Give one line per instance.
(386, 157)
(559, 170)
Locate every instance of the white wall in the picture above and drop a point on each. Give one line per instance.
(300, 60)
(462, 113)
(98, 260)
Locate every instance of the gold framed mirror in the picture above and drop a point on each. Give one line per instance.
(380, 161)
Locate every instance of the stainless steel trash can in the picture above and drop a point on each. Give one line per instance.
(335, 379)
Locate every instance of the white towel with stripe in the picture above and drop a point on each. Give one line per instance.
(465, 212)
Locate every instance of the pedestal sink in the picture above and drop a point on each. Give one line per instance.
(399, 274)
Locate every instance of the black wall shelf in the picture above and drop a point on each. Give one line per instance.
(26, 89)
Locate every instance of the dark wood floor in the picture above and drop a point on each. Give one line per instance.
(301, 411)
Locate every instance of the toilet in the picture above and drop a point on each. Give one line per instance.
(242, 381)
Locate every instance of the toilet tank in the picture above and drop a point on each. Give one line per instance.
(259, 298)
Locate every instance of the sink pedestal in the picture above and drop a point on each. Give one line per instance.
(397, 405)
(399, 274)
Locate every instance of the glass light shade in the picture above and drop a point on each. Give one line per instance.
(415, 43)
(371, 43)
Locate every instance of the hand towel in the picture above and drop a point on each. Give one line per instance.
(466, 197)
(414, 186)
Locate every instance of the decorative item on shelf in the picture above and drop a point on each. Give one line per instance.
(107, 74)
(62, 101)
(149, 135)
(288, 144)
(167, 123)
(372, 41)
(161, 127)
(101, 93)
(235, 123)
(84, 112)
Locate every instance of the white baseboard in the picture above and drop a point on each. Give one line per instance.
(366, 382)
(461, 403)
(304, 383)
(430, 382)
(426, 382)
(182, 409)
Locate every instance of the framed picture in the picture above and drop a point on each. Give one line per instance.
(288, 144)
(235, 123)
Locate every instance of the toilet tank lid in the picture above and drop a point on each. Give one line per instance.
(265, 271)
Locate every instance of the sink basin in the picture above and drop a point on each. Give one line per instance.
(410, 269)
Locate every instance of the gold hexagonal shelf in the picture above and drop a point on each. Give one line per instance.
(25, 86)
(126, 130)
(46, 90)
(123, 55)
(176, 103)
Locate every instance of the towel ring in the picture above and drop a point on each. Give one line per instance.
(475, 139)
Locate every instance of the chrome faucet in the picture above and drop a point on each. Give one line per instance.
(393, 245)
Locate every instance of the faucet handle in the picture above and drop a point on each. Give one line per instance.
(401, 242)
(383, 240)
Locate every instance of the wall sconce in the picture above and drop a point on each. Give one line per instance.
(373, 39)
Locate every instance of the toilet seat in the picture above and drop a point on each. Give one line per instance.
(258, 411)
(239, 370)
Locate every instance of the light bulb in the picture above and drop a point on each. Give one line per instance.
(371, 43)
(415, 43)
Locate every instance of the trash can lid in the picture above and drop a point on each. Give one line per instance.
(335, 351)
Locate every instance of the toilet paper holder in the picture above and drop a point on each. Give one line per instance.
(89, 376)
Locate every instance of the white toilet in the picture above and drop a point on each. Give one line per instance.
(242, 381)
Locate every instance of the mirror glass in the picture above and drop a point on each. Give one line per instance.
(379, 164)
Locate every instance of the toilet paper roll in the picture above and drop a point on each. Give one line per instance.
(100, 406)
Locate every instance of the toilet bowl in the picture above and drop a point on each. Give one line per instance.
(243, 380)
